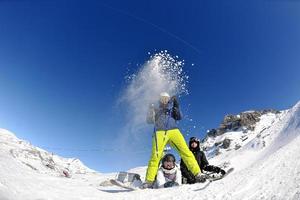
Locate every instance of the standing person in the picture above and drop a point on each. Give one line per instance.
(194, 145)
(168, 174)
(165, 119)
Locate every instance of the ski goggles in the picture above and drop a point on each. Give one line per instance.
(194, 139)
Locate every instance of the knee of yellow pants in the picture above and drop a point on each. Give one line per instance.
(177, 140)
(158, 145)
(154, 161)
(152, 169)
(192, 164)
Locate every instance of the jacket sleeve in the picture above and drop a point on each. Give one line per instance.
(160, 179)
(178, 177)
(176, 114)
(205, 164)
(150, 115)
(204, 161)
(212, 168)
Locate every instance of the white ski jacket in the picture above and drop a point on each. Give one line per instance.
(164, 176)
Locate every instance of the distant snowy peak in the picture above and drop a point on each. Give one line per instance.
(38, 159)
(7, 134)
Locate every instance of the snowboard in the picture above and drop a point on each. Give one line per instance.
(129, 187)
(215, 178)
(129, 181)
(212, 177)
(132, 181)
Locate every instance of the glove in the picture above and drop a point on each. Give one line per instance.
(222, 172)
(175, 101)
(219, 170)
(170, 184)
(216, 169)
(146, 185)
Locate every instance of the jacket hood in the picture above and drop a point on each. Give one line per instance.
(194, 139)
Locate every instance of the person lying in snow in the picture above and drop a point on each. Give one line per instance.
(168, 174)
(188, 177)
(166, 131)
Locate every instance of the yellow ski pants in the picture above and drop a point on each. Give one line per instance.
(176, 140)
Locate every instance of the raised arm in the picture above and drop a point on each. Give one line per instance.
(176, 114)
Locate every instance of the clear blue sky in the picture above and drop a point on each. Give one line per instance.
(62, 67)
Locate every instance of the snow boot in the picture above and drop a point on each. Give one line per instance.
(200, 178)
(147, 185)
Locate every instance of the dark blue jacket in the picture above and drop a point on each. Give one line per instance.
(164, 118)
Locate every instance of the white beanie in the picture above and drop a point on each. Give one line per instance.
(164, 94)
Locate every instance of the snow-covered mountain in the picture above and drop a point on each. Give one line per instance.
(248, 131)
(262, 146)
(40, 160)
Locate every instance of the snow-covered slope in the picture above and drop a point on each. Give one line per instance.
(38, 159)
(266, 159)
(28, 172)
(232, 145)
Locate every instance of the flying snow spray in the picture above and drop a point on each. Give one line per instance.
(161, 73)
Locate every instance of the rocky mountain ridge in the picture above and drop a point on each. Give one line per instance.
(236, 130)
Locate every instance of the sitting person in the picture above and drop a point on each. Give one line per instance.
(194, 145)
(168, 174)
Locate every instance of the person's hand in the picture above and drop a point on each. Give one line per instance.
(175, 101)
(173, 98)
(222, 172)
(170, 184)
